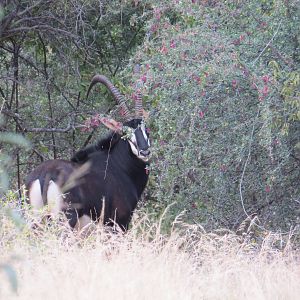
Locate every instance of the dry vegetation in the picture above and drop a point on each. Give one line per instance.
(188, 263)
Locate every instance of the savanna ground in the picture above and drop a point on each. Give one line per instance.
(54, 262)
(221, 80)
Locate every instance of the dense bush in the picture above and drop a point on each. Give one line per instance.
(226, 127)
(221, 79)
(49, 51)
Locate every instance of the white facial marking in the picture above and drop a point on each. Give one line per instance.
(35, 195)
(54, 198)
(133, 143)
(143, 128)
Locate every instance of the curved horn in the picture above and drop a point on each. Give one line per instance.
(138, 104)
(138, 95)
(117, 95)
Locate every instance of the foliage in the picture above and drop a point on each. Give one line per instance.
(49, 51)
(224, 79)
(10, 221)
(221, 79)
(12, 139)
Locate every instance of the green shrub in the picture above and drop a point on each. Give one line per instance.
(226, 121)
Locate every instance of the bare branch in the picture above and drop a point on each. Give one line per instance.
(268, 44)
(10, 113)
(246, 163)
(12, 32)
(32, 7)
(43, 129)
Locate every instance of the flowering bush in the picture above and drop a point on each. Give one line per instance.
(222, 148)
(221, 79)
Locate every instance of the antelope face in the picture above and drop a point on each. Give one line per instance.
(136, 133)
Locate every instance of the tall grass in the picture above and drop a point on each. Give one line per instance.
(187, 263)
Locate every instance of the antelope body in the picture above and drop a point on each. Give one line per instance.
(110, 175)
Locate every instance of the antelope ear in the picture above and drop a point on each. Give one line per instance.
(112, 124)
(145, 115)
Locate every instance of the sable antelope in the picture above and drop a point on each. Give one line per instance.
(114, 171)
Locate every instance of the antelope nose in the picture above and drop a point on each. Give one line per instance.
(145, 152)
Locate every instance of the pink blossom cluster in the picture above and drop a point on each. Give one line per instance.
(91, 123)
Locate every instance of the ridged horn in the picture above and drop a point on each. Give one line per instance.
(117, 95)
(138, 94)
(138, 103)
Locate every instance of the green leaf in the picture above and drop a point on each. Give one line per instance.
(12, 276)
(4, 183)
(15, 139)
(16, 217)
(1, 12)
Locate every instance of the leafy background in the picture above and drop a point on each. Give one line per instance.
(221, 82)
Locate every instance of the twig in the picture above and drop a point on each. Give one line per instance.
(2, 105)
(68, 128)
(126, 50)
(270, 41)
(246, 163)
(14, 31)
(89, 138)
(9, 112)
(106, 166)
(48, 129)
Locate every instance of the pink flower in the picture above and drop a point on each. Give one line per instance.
(265, 91)
(196, 78)
(234, 84)
(164, 49)
(144, 78)
(172, 44)
(263, 24)
(236, 42)
(246, 72)
(183, 55)
(223, 168)
(95, 123)
(201, 114)
(194, 205)
(265, 78)
(85, 129)
(166, 25)
(157, 13)
(268, 189)
(156, 85)
(154, 28)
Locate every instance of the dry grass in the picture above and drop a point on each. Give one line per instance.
(145, 264)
